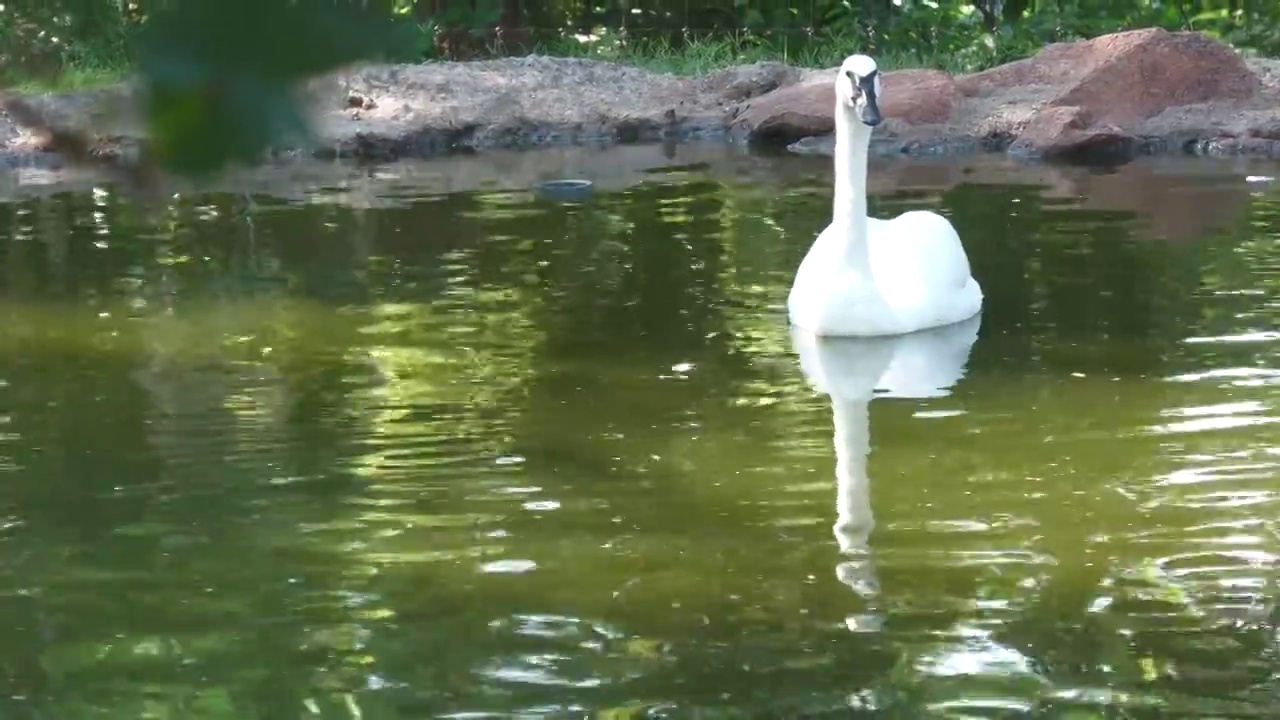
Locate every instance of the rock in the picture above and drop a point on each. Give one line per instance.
(1113, 96)
(1119, 80)
(1142, 91)
(791, 113)
(919, 97)
(807, 108)
(357, 101)
(1136, 75)
(1070, 130)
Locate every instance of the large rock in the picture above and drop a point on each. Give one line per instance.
(914, 97)
(1072, 130)
(1108, 85)
(1113, 95)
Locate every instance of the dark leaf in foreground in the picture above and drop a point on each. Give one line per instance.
(222, 75)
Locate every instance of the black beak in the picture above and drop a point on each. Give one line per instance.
(869, 112)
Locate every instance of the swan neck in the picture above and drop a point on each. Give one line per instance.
(849, 213)
(854, 520)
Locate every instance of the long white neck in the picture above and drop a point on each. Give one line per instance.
(854, 520)
(849, 211)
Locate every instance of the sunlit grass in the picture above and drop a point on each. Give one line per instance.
(694, 56)
(697, 56)
(68, 79)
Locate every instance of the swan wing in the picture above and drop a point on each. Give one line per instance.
(919, 248)
(920, 263)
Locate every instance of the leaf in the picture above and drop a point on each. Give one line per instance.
(222, 75)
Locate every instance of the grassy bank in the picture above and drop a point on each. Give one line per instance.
(698, 56)
(39, 59)
(68, 80)
(694, 57)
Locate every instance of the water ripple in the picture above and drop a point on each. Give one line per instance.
(486, 456)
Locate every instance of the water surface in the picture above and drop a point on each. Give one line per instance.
(404, 454)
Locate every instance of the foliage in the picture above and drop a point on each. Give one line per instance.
(957, 34)
(41, 38)
(235, 64)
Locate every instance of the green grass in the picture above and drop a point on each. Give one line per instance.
(77, 79)
(694, 57)
(41, 66)
(699, 56)
(68, 79)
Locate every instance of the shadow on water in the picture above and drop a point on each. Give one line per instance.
(367, 450)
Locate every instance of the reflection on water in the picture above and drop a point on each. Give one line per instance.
(476, 455)
(852, 371)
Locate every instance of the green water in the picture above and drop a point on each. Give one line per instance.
(481, 455)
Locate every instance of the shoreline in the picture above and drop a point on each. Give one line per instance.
(1086, 101)
(1153, 189)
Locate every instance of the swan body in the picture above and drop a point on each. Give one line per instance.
(870, 277)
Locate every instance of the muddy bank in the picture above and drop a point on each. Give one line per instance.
(1117, 96)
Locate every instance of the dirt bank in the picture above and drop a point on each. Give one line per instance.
(1138, 92)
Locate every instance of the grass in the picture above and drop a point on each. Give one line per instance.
(702, 55)
(68, 79)
(694, 57)
(39, 67)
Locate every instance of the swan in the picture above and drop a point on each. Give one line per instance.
(869, 277)
(852, 371)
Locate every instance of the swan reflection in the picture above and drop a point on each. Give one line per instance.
(852, 371)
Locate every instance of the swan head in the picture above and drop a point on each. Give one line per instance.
(858, 89)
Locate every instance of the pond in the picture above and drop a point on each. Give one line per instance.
(364, 448)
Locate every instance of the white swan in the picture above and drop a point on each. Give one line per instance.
(864, 276)
(852, 371)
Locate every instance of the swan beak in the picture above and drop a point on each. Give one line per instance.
(870, 114)
(869, 108)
